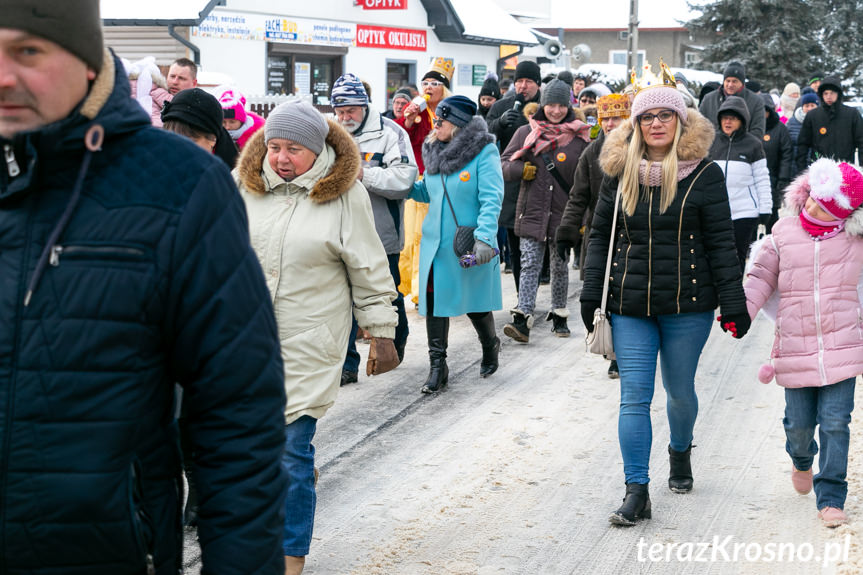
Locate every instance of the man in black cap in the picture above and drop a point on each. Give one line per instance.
(127, 267)
(733, 84)
(832, 130)
(505, 117)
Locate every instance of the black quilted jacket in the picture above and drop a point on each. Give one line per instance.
(680, 261)
(151, 282)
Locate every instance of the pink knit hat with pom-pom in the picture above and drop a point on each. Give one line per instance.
(233, 105)
(837, 187)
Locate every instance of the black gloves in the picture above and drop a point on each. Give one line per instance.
(563, 246)
(737, 323)
(509, 118)
(588, 308)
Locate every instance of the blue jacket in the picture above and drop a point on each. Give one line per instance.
(151, 281)
(470, 164)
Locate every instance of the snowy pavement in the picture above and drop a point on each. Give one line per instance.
(517, 473)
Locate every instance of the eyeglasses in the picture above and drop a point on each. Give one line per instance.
(664, 116)
(437, 122)
(432, 83)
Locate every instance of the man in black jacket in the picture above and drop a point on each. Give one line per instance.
(505, 117)
(127, 267)
(777, 150)
(734, 77)
(832, 130)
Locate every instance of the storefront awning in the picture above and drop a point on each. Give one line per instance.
(156, 12)
(476, 22)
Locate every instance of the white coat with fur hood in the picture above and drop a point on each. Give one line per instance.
(315, 238)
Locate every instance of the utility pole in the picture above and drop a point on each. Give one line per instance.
(632, 37)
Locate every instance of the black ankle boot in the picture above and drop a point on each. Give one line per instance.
(437, 332)
(559, 326)
(519, 328)
(680, 470)
(484, 327)
(636, 505)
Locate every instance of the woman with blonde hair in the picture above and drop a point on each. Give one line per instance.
(673, 261)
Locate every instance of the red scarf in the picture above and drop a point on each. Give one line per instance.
(547, 137)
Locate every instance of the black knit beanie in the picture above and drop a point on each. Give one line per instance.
(73, 24)
(735, 70)
(529, 70)
(490, 88)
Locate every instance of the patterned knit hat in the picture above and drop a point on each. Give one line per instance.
(838, 188)
(233, 104)
(658, 97)
(613, 105)
(349, 91)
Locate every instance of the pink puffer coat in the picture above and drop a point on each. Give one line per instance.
(819, 322)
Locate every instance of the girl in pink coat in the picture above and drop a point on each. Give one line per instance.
(811, 266)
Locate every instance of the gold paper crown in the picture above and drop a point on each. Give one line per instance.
(443, 66)
(650, 80)
(613, 105)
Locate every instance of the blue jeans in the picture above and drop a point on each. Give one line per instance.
(352, 359)
(298, 461)
(830, 408)
(678, 340)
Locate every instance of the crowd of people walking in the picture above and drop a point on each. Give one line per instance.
(203, 319)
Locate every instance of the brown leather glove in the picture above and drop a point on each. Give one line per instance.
(382, 356)
(529, 172)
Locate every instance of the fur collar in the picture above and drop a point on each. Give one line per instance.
(101, 89)
(694, 144)
(795, 198)
(448, 158)
(338, 180)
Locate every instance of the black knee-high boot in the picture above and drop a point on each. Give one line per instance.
(484, 326)
(437, 332)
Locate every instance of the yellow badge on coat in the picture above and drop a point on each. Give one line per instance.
(561, 157)
(822, 131)
(464, 176)
(766, 137)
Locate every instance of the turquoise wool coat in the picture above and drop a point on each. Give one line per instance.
(476, 191)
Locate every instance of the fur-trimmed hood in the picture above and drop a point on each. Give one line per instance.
(337, 181)
(797, 193)
(695, 141)
(448, 158)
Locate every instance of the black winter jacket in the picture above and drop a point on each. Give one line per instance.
(777, 150)
(830, 132)
(152, 282)
(681, 261)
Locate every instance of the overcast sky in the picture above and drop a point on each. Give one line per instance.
(603, 14)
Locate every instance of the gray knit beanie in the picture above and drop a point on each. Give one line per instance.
(76, 26)
(556, 92)
(297, 121)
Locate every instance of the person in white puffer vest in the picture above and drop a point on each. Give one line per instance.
(741, 157)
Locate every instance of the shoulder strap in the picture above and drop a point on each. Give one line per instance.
(610, 250)
(552, 169)
(446, 195)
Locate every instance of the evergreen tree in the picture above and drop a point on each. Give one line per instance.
(782, 41)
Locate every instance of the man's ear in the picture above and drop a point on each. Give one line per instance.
(91, 74)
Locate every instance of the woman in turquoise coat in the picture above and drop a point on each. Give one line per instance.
(460, 157)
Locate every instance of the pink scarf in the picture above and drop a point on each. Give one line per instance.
(819, 229)
(547, 137)
(654, 179)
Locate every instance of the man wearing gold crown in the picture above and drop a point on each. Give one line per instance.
(733, 85)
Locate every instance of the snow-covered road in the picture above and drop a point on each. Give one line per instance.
(516, 474)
